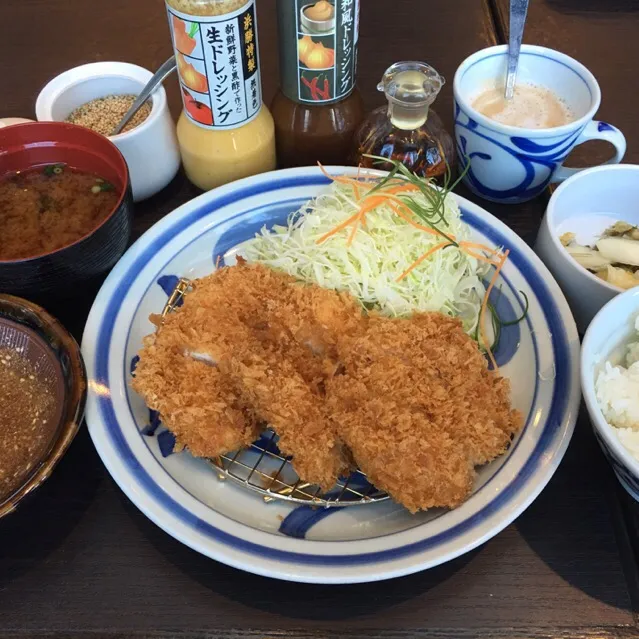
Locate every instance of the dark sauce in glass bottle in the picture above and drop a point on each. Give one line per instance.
(407, 129)
(317, 109)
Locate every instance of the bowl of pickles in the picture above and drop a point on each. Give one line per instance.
(589, 237)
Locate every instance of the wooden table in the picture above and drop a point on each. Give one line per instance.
(80, 560)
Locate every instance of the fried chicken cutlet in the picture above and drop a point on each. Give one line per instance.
(195, 400)
(419, 409)
(410, 400)
(273, 341)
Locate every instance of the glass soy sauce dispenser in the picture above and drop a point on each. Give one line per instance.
(407, 129)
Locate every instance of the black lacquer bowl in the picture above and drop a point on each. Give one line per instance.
(47, 276)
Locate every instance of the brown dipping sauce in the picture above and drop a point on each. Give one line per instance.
(31, 403)
(306, 134)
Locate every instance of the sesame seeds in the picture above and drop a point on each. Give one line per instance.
(102, 115)
(27, 410)
(206, 7)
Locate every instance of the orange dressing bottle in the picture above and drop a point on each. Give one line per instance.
(224, 132)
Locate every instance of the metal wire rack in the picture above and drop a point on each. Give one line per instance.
(263, 469)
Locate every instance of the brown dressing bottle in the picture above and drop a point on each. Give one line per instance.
(317, 109)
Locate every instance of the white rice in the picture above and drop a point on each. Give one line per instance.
(617, 390)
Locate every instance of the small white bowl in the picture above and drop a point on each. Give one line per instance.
(611, 329)
(586, 204)
(151, 149)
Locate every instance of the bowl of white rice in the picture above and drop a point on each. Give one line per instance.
(610, 384)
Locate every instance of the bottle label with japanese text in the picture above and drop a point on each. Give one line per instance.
(218, 66)
(318, 49)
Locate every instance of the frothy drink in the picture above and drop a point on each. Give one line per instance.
(532, 107)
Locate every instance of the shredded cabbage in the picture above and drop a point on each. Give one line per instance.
(449, 281)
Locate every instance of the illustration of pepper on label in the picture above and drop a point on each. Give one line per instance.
(316, 86)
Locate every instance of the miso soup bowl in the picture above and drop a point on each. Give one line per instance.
(66, 270)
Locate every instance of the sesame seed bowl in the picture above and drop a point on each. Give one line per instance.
(96, 95)
(42, 396)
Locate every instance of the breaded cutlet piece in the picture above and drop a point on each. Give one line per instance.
(195, 400)
(419, 408)
(270, 339)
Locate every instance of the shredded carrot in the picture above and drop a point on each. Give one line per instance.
(356, 185)
(407, 218)
(369, 205)
(402, 188)
(484, 305)
(342, 179)
(338, 228)
(353, 232)
(419, 260)
(477, 256)
(483, 247)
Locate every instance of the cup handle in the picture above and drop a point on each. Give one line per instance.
(596, 130)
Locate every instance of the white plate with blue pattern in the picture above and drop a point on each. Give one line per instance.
(228, 523)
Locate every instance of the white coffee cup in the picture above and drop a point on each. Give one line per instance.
(515, 164)
(150, 149)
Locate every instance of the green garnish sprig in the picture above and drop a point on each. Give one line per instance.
(434, 213)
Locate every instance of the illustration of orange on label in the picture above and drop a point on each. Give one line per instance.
(191, 76)
(184, 39)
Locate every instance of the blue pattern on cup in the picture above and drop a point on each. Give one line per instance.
(537, 161)
(510, 164)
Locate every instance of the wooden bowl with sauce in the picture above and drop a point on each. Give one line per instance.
(42, 397)
(65, 208)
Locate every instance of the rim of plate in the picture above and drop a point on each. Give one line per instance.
(320, 561)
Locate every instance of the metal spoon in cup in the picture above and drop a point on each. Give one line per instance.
(158, 77)
(518, 11)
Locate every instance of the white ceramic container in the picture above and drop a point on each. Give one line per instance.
(612, 327)
(586, 204)
(151, 149)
